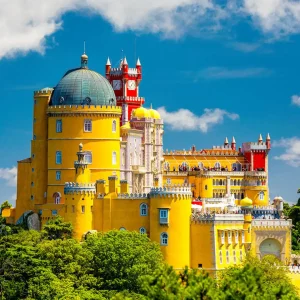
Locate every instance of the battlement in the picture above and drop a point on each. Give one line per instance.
(100, 181)
(204, 152)
(272, 223)
(254, 146)
(133, 196)
(220, 217)
(75, 188)
(44, 91)
(172, 190)
(119, 71)
(127, 98)
(84, 108)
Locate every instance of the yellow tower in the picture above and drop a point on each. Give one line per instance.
(170, 211)
(79, 197)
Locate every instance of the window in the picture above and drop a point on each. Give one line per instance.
(166, 166)
(73, 208)
(217, 165)
(54, 212)
(32, 184)
(91, 208)
(227, 256)
(144, 209)
(229, 237)
(58, 175)
(214, 182)
(163, 216)
(88, 157)
(234, 257)
(57, 197)
(199, 266)
(221, 256)
(114, 126)
(243, 237)
(205, 187)
(82, 209)
(34, 137)
(143, 230)
(200, 165)
(168, 180)
(58, 157)
(58, 125)
(241, 255)
(261, 196)
(122, 228)
(114, 158)
(32, 169)
(164, 239)
(31, 197)
(87, 125)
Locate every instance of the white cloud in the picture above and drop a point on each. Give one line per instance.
(245, 47)
(185, 120)
(296, 100)
(225, 73)
(9, 175)
(291, 153)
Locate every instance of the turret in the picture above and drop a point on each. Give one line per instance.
(233, 144)
(226, 142)
(139, 70)
(260, 139)
(268, 141)
(125, 66)
(107, 68)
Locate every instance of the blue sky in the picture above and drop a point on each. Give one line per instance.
(219, 68)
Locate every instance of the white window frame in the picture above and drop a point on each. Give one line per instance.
(59, 125)
(58, 175)
(58, 154)
(217, 165)
(164, 239)
(114, 126)
(234, 256)
(87, 126)
(143, 230)
(114, 157)
(221, 256)
(227, 257)
(163, 216)
(229, 236)
(143, 209)
(261, 195)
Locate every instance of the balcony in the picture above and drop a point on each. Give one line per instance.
(256, 173)
(272, 223)
(175, 173)
(137, 169)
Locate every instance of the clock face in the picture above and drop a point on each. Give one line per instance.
(117, 84)
(131, 84)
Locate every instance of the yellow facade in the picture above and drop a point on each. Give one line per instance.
(76, 168)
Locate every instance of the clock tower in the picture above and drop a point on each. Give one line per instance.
(125, 82)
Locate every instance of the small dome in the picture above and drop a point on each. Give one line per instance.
(141, 113)
(126, 126)
(278, 198)
(246, 202)
(154, 114)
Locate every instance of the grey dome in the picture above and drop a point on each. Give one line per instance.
(83, 86)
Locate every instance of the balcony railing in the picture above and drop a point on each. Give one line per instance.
(272, 223)
(218, 173)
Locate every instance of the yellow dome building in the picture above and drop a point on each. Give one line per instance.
(206, 208)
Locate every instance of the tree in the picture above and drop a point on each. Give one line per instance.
(5, 204)
(120, 258)
(57, 229)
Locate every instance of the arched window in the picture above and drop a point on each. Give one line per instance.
(221, 256)
(220, 182)
(214, 182)
(143, 230)
(234, 182)
(122, 228)
(241, 255)
(114, 158)
(166, 166)
(224, 182)
(184, 166)
(58, 158)
(164, 238)
(144, 209)
(238, 182)
(57, 197)
(231, 181)
(114, 126)
(200, 165)
(261, 195)
(217, 165)
(234, 256)
(168, 180)
(227, 256)
(236, 167)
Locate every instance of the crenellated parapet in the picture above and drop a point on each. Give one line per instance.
(82, 109)
(217, 217)
(133, 196)
(176, 190)
(271, 224)
(77, 188)
(43, 92)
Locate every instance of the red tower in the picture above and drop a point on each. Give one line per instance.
(125, 82)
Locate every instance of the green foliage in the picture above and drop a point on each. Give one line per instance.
(5, 204)
(57, 229)
(121, 258)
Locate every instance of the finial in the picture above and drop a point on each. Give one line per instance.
(226, 141)
(138, 63)
(260, 138)
(80, 147)
(83, 47)
(268, 137)
(233, 140)
(108, 62)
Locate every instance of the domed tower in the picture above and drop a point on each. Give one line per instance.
(82, 110)
(79, 197)
(170, 213)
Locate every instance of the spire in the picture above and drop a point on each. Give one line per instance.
(226, 141)
(233, 140)
(138, 63)
(108, 62)
(84, 58)
(268, 137)
(125, 61)
(260, 138)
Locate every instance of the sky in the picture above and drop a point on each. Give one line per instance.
(214, 69)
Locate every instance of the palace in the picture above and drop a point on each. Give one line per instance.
(97, 160)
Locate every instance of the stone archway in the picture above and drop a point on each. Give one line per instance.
(270, 246)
